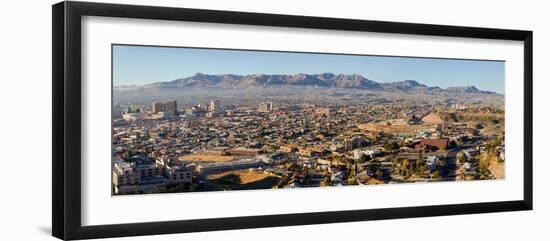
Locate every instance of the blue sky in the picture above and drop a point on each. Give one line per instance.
(138, 65)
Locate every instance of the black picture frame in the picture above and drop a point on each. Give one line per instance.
(66, 75)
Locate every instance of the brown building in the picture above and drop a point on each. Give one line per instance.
(172, 107)
(157, 107)
(434, 144)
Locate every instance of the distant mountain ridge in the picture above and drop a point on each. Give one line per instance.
(328, 80)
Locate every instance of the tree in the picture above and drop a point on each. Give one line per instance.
(406, 163)
(495, 143)
(452, 144)
(365, 158)
(440, 164)
(462, 158)
(326, 180)
(352, 181)
(306, 175)
(179, 188)
(391, 146)
(379, 173)
(373, 168)
(421, 168)
(479, 126)
(453, 117)
(195, 187)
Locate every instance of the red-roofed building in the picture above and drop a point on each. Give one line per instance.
(434, 144)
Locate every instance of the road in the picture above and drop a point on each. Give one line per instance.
(451, 162)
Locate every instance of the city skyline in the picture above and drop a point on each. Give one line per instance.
(280, 130)
(140, 65)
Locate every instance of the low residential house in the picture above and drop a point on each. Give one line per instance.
(289, 148)
(337, 147)
(423, 133)
(371, 152)
(471, 152)
(336, 176)
(333, 162)
(431, 162)
(468, 167)
(307, 151)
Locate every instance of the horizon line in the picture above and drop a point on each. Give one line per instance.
(303, 73)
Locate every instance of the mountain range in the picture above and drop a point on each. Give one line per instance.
(326, 80)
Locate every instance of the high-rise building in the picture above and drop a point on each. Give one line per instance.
(214, 105)
(172, 107)
(354, 142)
(157, 107)
(203, 106)
(265, 107)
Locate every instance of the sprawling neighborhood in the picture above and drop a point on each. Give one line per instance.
(165, 146)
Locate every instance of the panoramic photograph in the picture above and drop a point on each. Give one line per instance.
(202, 119)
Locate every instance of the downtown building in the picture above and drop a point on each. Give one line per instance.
(168, 108)
(138, 174)
(265, 107)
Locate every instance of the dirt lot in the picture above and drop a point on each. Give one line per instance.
(497, 169)
(490, 160)
(244, 179)
(394, 129)
(206, 158)
(245, 176)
